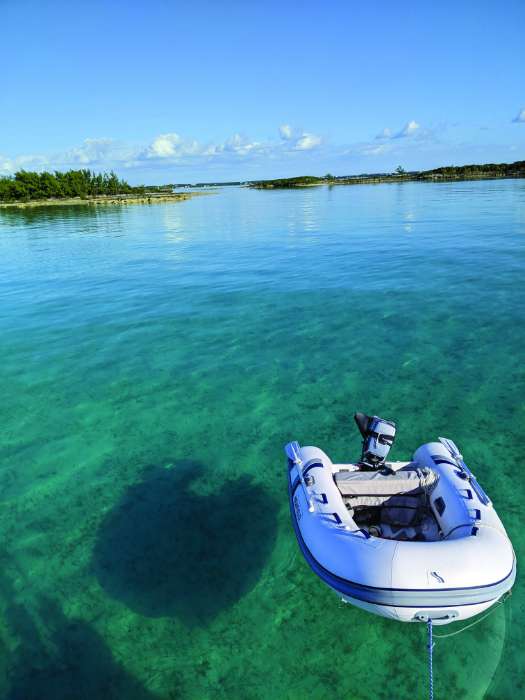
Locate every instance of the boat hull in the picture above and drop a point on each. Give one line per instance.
(391, 578)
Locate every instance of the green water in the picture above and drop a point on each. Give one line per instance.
(155, 359)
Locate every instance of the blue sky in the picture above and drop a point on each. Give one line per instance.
(180, 92)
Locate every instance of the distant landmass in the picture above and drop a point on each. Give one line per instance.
(451, 172)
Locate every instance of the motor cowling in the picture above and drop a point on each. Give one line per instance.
(378, 437)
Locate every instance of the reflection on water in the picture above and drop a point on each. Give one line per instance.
(87, 217)
(173, 225)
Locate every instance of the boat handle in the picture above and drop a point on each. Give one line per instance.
(292, 452)
(365, 533)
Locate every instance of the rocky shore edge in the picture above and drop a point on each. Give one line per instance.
(119, 199)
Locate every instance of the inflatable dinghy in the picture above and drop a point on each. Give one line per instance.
(413, 541)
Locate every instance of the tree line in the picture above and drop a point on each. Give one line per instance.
(477, 169)
(26, 185)
(285, 182)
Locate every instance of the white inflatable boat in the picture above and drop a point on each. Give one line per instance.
(414, 541)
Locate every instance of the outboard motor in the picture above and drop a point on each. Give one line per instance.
(378, 437)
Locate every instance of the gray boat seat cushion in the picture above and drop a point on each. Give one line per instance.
(379, 485)
(410, 501)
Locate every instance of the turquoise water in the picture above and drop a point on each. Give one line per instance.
(155, 359)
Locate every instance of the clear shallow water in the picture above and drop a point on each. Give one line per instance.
(155, 360)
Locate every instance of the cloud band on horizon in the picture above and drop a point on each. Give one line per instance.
(168, 148)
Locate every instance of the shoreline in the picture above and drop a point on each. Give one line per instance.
(119, 200)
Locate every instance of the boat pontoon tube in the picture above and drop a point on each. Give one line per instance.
(463, 571)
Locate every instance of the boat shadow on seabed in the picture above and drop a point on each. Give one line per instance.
(181, 544)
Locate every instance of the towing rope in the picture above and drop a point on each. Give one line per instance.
(472, 624)
(430, 647)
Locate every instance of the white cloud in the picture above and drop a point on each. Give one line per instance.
(8, 166)
(164, 146)
(410, 128)
(241, 146)
(286, 132)
(171, 146)
(171, 149)
(298, 139)
(166, 149)
(520, 117)
(91, 151)
(397, 145)
(374, 149)
(307, 141)
(212, 149)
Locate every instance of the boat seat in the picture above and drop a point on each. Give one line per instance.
(412, 499)
(381, 485)
(401, 496)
